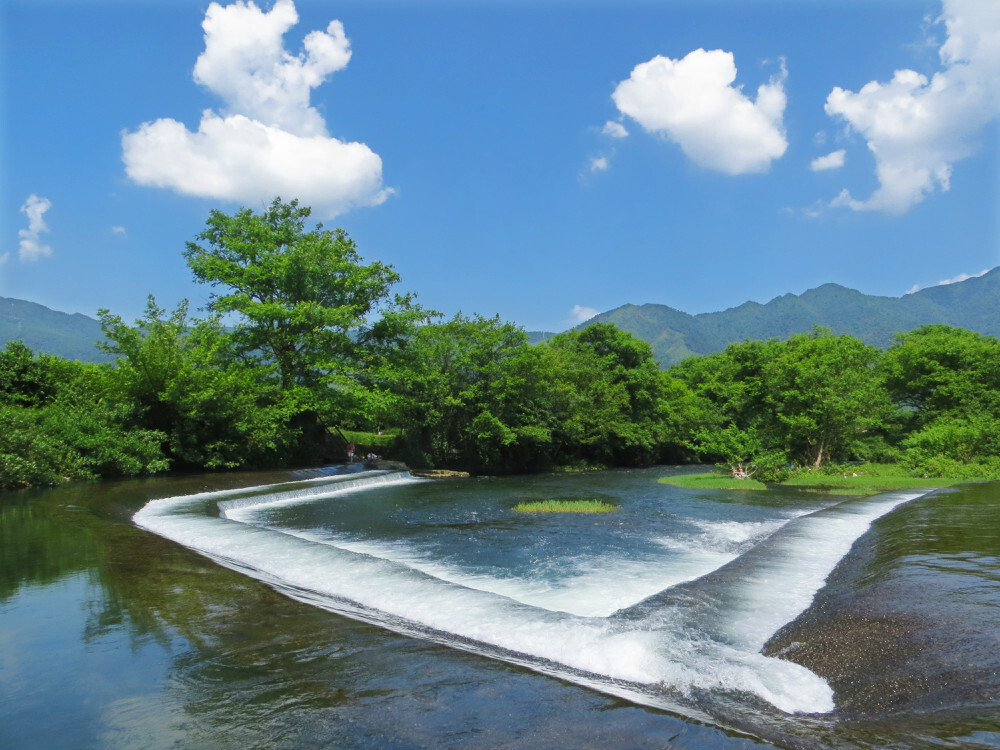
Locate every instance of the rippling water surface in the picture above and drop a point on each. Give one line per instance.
(381, 611)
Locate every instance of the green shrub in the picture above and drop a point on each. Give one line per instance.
(942, 466)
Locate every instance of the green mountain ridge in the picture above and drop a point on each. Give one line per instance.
(47, 331)
(674, 335)
(973, 304)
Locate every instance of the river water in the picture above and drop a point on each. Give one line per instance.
(374, 610)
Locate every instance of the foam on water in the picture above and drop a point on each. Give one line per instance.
(310, 490)
(586, 587)
(559, 629)
(737, 536)
(778, 580)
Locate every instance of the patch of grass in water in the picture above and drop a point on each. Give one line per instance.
(565, 506)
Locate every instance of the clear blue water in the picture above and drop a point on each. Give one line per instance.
(400, 613)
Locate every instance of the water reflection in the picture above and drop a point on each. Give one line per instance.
(112, 637)
(36, 548)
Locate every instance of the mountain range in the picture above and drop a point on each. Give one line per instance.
(674, 335)
(46, 331)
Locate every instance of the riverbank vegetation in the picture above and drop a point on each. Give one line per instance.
(833, 479)
(318, 351)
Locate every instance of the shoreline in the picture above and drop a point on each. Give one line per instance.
(869, 482)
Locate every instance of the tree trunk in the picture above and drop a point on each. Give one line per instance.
(819, 455)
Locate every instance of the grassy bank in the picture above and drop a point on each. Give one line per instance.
(864, 479)
(715, 480)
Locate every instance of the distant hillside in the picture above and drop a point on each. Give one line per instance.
(537, 337)
(46, 331)
(675, 335)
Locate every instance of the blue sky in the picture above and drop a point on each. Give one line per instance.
(538, 160)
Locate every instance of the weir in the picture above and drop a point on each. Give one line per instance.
(319, 488)
(697, 631)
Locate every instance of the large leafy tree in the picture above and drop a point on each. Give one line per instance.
(186, 383)
(733, 387)
(814, 397)
(471, 393)
(612, 403)
(937, 370)
(303, 298)
(826, 394)
(946, 382)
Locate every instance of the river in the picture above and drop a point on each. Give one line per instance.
(322, 609)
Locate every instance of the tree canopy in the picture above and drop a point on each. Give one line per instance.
(305, 300)
(811, 398)
(303, 337)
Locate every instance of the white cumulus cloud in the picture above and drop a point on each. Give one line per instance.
(31, 247)
(245, 63)
(581, 314)
(918, 127)
(267, 140)
(693, 102)
(614, 129)
(833, 160)
(953, 280)
(599, 163)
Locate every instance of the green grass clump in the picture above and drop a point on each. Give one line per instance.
(565, 506)
(713, 481)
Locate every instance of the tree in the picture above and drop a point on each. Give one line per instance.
(812, 397)
(827, 394)
(732, 387)
(60, 420)
(470, 392)
(946, 383)
(185, 382)
(25, 379)
(305, 301)
(610, 398)
(936, 370)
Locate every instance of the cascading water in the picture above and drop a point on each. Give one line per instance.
(665, 606)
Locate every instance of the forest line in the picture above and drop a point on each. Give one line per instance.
(323, 344)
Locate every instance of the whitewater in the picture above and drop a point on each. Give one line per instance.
(687, 616)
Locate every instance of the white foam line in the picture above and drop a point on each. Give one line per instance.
(178, 501)
(783, 584)
(597, 590)
(243, 509)
(605, 587)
